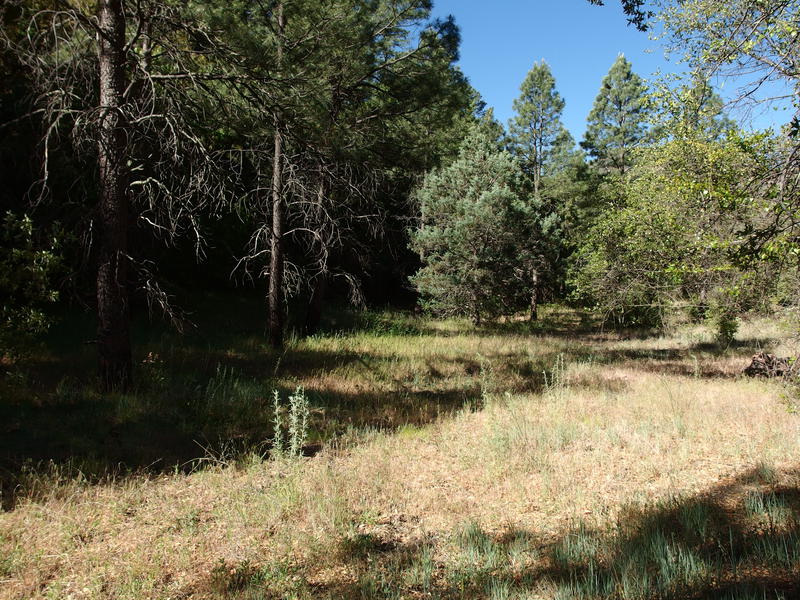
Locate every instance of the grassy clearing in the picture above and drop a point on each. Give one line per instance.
(555, 461)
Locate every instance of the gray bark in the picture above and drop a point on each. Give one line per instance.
(113, 332)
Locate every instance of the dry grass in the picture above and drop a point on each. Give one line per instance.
(485, 469)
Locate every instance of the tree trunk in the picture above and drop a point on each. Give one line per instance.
(275, 296)
(476, 311)
(534, 296)
(315, 304)
(113, 311)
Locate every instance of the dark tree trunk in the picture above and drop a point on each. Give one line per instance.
(315, 304)
(113, 311)
(534, 296)
(276, 266)
(476, 311)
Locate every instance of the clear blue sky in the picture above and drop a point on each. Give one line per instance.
(501, 40)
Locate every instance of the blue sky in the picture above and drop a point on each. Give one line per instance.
(501, 40)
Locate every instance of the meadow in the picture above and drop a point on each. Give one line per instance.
(514, 460)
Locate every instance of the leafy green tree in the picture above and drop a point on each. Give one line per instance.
(690, 110)
(537, 136)
(674, 240)
(755, 43)
(618, 121)
(467, 233)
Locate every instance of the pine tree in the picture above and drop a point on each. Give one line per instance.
(467, 235)
(121, 85)
(618, 119)
(538, 138)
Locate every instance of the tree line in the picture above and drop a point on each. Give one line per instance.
(309, 148)
(302, 121)
(668, 206)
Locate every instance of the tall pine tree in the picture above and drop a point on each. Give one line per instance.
(538, 137)
(618, 119)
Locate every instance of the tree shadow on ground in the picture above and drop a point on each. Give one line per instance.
(209, 391)
(738, 540)
(194, 403)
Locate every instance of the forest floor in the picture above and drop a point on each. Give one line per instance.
(553, 460)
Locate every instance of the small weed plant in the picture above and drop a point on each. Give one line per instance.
(555, 382)
(290, 432)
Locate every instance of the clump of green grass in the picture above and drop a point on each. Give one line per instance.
(477, 548)
(421, 571)
(769, 509)
(498, 589)
(678, 548)
(695, 519)
(653, 565)
(780, 551)
(765, 473)
(228, 397)
(576, 548)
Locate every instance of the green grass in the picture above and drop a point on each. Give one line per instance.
(207, 393)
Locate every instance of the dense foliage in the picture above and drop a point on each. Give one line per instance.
(673, 239)
(467, 237)
(323, 151)
(27, 286)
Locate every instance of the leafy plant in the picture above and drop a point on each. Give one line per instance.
(643, 256)
(26, 286)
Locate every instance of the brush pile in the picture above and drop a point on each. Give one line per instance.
(764, 364)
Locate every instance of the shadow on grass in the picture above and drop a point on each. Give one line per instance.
(739, 540)
(209, 391)
(193, 401)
